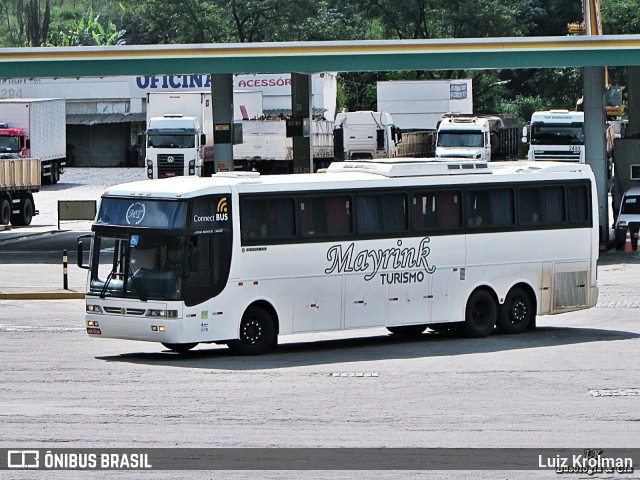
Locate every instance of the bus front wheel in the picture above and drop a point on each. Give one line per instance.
(257, 332)
(180, 347)
(516, 313)
(481, 314)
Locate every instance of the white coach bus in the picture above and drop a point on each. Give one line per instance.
(240, 258)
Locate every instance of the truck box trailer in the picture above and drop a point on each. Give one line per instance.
(419, 104)
(36, 128)
(19, 179)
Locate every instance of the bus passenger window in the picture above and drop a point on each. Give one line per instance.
(267, 218)
(478, 209)
(382, 213)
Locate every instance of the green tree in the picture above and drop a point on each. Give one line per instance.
(165, 22)
(89, 31)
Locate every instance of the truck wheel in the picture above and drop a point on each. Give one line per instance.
(5, 212)
(24, 216)
(55, 173)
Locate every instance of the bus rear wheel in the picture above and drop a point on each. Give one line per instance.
(408, 330)
(516, 313)
(180, 347)
(480, 314)
(257, 332)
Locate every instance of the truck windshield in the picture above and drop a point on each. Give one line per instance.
(9, 144)
(157, 140)
(460, 139)
(557, 134)
(143, 266)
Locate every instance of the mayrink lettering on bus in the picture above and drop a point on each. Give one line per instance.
(154, 82)
(380, 260)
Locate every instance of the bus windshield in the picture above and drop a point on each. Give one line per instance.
(142, 266)
(460, 139)
(557, 134)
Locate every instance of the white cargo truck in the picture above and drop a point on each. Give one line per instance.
(365, 135)
(180, 130)
(267, 149)
(179, 125)
(478, 137)
(19, 180)
(36, 128)
(556, 135)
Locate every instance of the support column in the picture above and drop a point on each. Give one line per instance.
(301, 109)
(633, 109)
(595, 142)
(222, 99)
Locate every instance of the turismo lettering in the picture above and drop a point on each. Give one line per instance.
(375, 261)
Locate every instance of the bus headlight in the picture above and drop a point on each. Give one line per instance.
(94, 309)
(154, 313)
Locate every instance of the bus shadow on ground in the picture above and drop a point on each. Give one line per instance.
(367, 349)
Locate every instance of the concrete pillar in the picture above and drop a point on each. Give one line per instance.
(595, 143)
(633, 94)
(301, 109)
(222, 99)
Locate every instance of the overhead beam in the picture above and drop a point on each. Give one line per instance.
(309, 57)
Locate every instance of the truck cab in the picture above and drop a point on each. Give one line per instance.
(464, 137)
(556, 135)
(13, 140)
(174, 146)
(478, 137)
(365, 135)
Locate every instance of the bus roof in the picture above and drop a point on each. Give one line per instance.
(351, 174)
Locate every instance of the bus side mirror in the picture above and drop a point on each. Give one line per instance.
(203, 139)
(81, 252)
(525, 134)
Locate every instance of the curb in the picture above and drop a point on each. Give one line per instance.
(43, 296)
(17, 238)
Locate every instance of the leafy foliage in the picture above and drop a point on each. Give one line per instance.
(114, 22)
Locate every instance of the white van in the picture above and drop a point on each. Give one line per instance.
(628, 219)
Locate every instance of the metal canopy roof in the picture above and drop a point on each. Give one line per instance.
(308, 57)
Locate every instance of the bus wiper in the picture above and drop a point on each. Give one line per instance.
(135, 287)
(103, 292)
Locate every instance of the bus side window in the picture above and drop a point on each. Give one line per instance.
(478, 209)
(448, 208)
(424, 215)
(578, 204)
(529, 207)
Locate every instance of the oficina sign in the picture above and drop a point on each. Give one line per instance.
(274, 84)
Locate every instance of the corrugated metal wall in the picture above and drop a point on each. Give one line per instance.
(102, 145)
